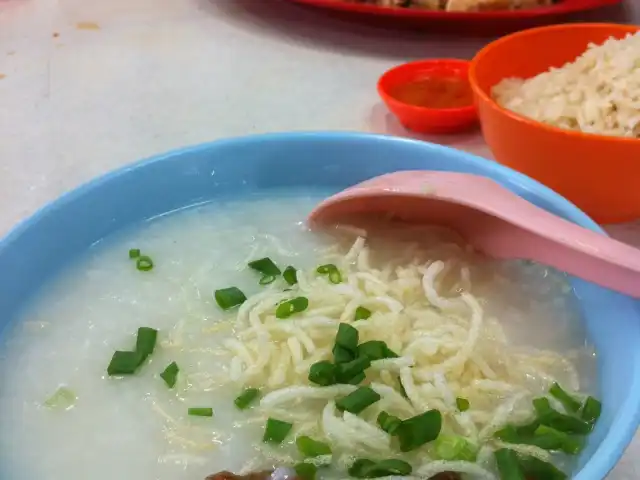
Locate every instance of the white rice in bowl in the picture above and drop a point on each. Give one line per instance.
(597, 93)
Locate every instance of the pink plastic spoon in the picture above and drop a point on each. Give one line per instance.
(492, 219)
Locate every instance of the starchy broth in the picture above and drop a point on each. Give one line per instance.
(136, 427)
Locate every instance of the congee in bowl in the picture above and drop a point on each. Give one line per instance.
(226, 339)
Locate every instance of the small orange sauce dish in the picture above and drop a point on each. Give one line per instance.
(430, 96)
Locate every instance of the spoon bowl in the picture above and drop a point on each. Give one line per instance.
(492, 219)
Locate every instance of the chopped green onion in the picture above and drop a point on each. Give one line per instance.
(265, 266)
(542, 405)
(347, 337)
(322, 373)
(290, 307)
(306, 471)
(355, 380)
(170, 374)
(390, 467)
(146, 341)
(200, 412)
(134, 253)
(360, 468)
(554, 419)
(267, 279)
(537, 469)
(230, 297)
(567, 443)
(388, 423)
(342, 355)
(570, 404)
(324, 269)
(376, 350)
(332, 271)
(362, 313)
(358, 400)
(348, 370)
(290, 275)
(591, 410)
(543, 437)
(309, 447)
(246, 398)
(454, 447)
(416, 431)
(63, 398)
(335, 277)
(124, 363)
(462, 404)
(144, 263)
(508, 465)
(365, 468)
(276, 431)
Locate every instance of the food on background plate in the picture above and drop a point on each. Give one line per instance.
(254, 345)
(458, 5)
(598, 93)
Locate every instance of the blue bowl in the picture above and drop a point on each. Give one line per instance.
(42, 245)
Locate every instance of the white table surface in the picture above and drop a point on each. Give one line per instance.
(89, 85)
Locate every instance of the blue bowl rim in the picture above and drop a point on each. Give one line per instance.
(609, 452)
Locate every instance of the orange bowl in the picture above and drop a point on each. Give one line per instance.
(599, 174)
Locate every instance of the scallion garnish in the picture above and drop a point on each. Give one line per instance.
(376, 350)
(362, 313)
(267, 279)
(570, 404)
(366, 468)
(331, 271)
(388, 423)
(306, 471)
(200, 412)
(347, 337)
(134, 253)
(591, 410)
(322, 373)
(509, 465)
(146, 341)
(309, 447)
(230, 297)
(462, 404)
(63, 398)
(543, 437)
(358, 400)
(265, 266)
(126, 363)
(360, 468)
(561, 422)
(170, 374)
(416, 431)
(455, 448)
(276, 431)
(144, 263)
(342, 355)
(246, 398)
(348, 370)
(291, 307)
(358, 378)
(535, 468)
(290, 275)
